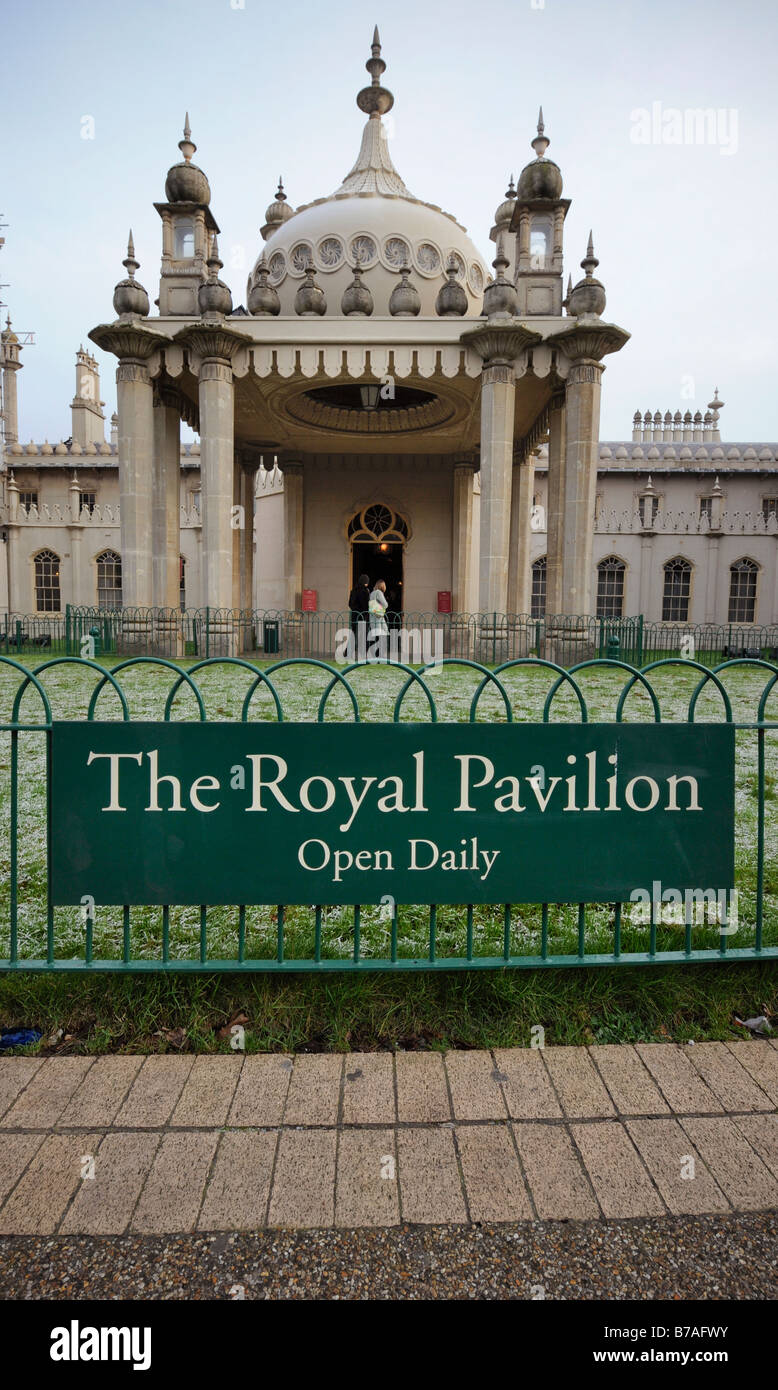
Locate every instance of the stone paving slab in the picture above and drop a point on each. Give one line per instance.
(260, 1095)
(104, 1203)
(15, 1074)
(738, 1169)
(154, 1092)
(683, 1180)
(733, 1085)
(239, 1188)
(368, 1089)
(526, 1084)
(618, 1174)
(680, 1082)
(422, 1090)
(577, 1082)
(556, 1176)
(314, 1089)
(45, 1096)
(101, 1092)
(474, 1082)
(632, 1088)
(172, 1144)
(39, 1199)
(761, 1061)
(492, 1175)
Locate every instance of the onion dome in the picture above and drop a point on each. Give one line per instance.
(186, 183)
(9, 337)
(587, 298)
(404, 301)
(278, 213)
(500, 297)
(213, 296)
(542, 178)
(452, 299)
(357, 299)
(310, 298)
(263, 299)
(504, 213)
(129, 297)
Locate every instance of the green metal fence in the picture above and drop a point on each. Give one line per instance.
(490, 638)
(37, 936)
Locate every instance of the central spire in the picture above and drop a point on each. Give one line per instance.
(374, 171)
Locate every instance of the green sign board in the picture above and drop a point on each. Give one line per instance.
(212, 813)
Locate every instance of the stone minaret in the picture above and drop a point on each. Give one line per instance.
(537, 221)
(11, 363)
(86, 407)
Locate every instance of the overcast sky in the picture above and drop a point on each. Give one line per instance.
(685, 232)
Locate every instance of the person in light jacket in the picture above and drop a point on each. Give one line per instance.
(377, 611)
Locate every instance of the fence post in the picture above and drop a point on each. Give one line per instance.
(639, 661)
(207, 632)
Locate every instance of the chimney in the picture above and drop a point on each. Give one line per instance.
(86, 406)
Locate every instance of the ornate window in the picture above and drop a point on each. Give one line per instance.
(28, 499)
(364, 251)
(742, 591)
(183, 242)
(675, 598)
(706, 508)
(48, 598)
(109, 579)
(378, 522)
(648, 506)
(610, 587)
(86, 500)
(538, 598)
(769, 507)
(540, 243)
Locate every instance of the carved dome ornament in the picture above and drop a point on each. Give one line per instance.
(301, 259)
(428, 260)
(396, 252)
(363, 250)
(186, 183)
(329, 253)
(129, 297)
(277, 267)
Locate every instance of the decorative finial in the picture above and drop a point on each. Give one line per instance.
(187, 145)
(590, 261)
(280, 195)
(715, 405)
(375, 99)
(511, 189)
(129, 262)
(541, 143)
(212, 260)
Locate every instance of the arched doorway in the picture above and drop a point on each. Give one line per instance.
(378, 535)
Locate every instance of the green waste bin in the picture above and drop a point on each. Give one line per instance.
(270, 640)
(614, 648)
(94, 633)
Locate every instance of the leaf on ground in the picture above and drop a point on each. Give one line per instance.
(175, 1036)
(761, 1024)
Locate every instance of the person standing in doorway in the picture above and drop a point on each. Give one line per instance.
(379, 632)
(358, 602)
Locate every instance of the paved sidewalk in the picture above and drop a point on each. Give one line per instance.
(170, 1144)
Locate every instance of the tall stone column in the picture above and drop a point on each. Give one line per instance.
(136, 451)
(522, 492)
(582, 411)
(293, 532)
(247, 483)
(571, 526)
(165, 516)
(216, 471)
(462, 528)
(557, 454)
(498, 395)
